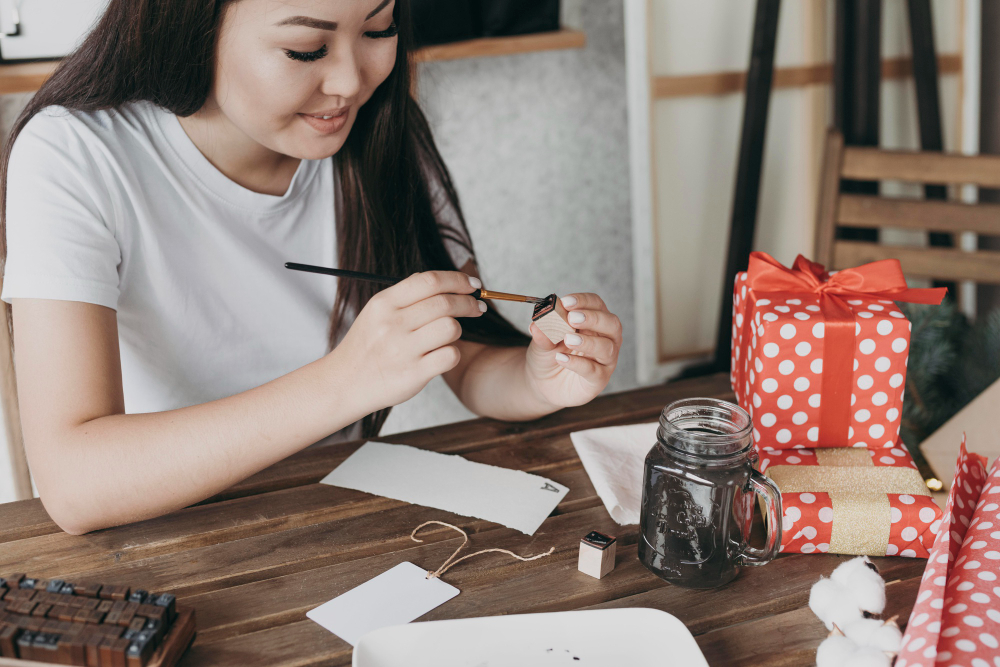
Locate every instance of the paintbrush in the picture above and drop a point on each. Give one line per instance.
(388, 280)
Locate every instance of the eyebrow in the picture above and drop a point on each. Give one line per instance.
(382, 5)
(309, 22)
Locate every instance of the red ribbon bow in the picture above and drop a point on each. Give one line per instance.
(877, 280)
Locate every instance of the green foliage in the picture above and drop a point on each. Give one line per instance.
(950, 363)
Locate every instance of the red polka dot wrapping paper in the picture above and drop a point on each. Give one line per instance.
(908, 527)
(956, 619)
(777, 374)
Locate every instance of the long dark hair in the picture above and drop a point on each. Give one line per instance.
(163, 51)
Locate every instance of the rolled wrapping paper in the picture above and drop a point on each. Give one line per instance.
(819, 359)
(852, 500)
(956, 619)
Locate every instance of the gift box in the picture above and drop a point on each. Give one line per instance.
(955, 620)
(852, 500)
(818, 359)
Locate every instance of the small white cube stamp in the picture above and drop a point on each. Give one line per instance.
(597, 554)
(550, 317)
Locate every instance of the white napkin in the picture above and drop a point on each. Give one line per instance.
(614, 458)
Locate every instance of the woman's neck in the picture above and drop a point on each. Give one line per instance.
(240, 158)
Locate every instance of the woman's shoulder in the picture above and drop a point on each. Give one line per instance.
(107, 126)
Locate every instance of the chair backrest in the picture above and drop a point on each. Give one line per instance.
(838, 209)
(11, 413)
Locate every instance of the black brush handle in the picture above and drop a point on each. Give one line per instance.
(358, 275)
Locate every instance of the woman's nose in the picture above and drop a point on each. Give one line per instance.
(343, 78)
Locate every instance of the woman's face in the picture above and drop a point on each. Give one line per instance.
(292, 74)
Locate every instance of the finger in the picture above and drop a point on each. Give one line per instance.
(420, 286)
(441, 360)
(599, 321)
(588, 369)
(598, 348)
(440, 332)
(583, 301)
(540, 339)
(435, 307)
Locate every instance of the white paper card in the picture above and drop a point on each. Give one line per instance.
(513, 498)
(614, 458)
(396, 596)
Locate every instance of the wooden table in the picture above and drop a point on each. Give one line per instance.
(253, 560)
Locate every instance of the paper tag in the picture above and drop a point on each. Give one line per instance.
(513, 498)
(396, 596)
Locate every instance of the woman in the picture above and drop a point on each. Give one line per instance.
(154, 188)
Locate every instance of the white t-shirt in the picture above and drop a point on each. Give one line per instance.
(121, 209)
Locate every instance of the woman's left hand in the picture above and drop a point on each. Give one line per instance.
(576, 370)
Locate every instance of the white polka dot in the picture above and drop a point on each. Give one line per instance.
(876, 430)
(782, 309)
(865, 382)
(803, 348)
(807, 548)
(973, 621)
(906, 499)
(767, 420)
(794, 302)
(958, 608)
(882, 364)
(818, 330)
(814, 309)
(808, 532)
(756, 435)
(807, 498)
(770, 317)
(788, 332)
(770, 385)
(891, 414)
(972, 565)
(786, 367)
(855, 302)
(980, 597)
(756, 400)
(895, 515)
(865, 315)
(771, 350)
(826, 514)
(813, 434)
(979, 544)
(784, 401)
(909, 533)
(888, 460)
(989, 640)
(867, 346)
(884, 327)
(758, 364)
(880, 398)
(965, 645)
(763, 302)
(862, 415)
(793, 459)
(793, 513)
(875, 307)
(966, 586)
(814, 401)
(895, 381)
(816, 366)
(850, 431)
(891, 550)
(801, 384)
(993, 555)
(801, 316)
(800, 418)
(927, 514)
(993, 614)
(783, 436)
(899, 345)
(908, 553)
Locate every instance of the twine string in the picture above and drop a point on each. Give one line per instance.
(451, 562)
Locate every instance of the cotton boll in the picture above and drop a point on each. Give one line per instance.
(833, 603)
(840, 651)
(882, 635)
(863, 583)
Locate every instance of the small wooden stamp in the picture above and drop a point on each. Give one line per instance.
(597, 554)
(550, 317)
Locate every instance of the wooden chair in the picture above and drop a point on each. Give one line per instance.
(11, 413)
(870, 211)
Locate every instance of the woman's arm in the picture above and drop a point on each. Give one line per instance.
(97, 467)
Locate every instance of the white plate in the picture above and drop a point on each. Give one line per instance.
(604, 637)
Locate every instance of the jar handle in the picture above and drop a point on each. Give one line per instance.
(768, 490)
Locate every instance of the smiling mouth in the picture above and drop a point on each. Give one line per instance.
(328, 116)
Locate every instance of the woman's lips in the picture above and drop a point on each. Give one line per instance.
(331, 125)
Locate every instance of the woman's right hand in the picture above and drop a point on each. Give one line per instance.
(403, 337)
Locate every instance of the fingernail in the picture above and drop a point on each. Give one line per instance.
(475, 282)
(568, 301)
(561, 358)
(482, 306)
(573, 339)
(576, 317)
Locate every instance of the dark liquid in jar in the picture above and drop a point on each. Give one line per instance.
(694, 519)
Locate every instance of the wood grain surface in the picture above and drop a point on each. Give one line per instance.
(252, 561)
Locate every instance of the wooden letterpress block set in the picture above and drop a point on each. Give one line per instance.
(91, 625)
(550, 317)
(597, 554)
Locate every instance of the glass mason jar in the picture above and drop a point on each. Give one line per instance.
(698, 492)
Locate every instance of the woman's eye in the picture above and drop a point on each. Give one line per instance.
(391, 31)
(306, 56)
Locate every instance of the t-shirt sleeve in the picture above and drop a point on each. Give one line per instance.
(60, 216)
(456, 240)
